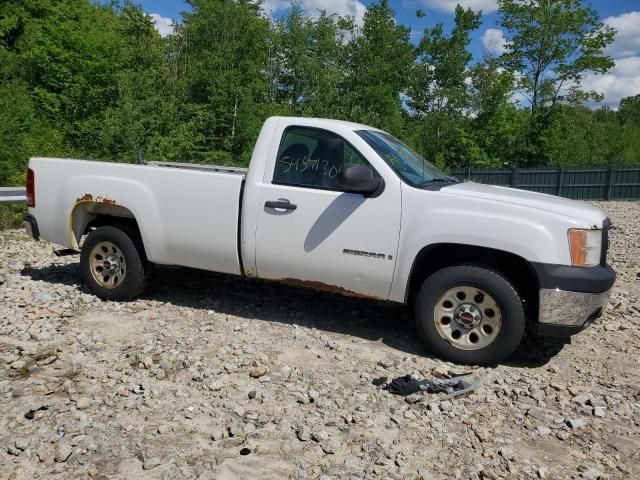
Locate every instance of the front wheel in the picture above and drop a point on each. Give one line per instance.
(112, 265)
(470, 314)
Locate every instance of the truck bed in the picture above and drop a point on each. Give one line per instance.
(187, 214)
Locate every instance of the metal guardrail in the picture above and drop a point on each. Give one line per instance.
(13, 194)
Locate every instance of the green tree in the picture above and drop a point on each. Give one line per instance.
(551, 45)
(496, 121)
(439, 92)
(78, 62)
(581, 136)
(380, 59)
(220, 77)
(629, 111)
(59, 63)
(22, 133)
(144, 107)
(311, 63)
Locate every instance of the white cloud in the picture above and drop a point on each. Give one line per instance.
(627, 40)
(494, 42)
(486, 6)
(353, 8)
(621, 81)
(164, 25)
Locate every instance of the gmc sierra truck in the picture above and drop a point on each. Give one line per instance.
(347, 208)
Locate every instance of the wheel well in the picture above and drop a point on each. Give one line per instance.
(87, 216)
(103, 220)
(515, 268)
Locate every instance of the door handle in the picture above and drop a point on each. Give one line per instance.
(282, 204)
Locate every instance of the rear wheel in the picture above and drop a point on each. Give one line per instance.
(470, 314)
(112, 266)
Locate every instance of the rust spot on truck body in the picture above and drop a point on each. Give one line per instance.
(324, 287)
(87, 197)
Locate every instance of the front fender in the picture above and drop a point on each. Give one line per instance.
(431, 218)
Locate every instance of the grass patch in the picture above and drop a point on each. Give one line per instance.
(23, 372)
(43, 353)
(71, 373)
(11, 215)
(31, 361)
(135, 360)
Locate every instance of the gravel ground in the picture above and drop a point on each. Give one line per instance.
(212, 376)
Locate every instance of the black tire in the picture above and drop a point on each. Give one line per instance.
(495, 285)
(137, 267)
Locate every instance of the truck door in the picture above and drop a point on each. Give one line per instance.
(309, 230)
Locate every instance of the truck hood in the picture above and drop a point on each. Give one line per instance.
(541, 201)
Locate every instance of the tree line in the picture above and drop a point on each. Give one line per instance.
(89, 80)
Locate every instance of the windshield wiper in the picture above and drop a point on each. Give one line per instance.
(439, 180)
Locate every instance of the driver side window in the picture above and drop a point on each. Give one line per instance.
(311, 157)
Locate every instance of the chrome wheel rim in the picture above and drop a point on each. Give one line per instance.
(108, 266)
(467, 317)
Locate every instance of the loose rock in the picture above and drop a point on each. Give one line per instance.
(63, 452)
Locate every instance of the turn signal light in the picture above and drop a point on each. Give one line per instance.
(585, 246)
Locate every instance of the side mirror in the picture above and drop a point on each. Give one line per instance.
(358, 179)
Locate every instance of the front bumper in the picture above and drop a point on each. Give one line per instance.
(570, 298)
(563, 313)
(31, 226)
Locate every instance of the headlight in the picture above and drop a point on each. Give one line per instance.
(585, 246)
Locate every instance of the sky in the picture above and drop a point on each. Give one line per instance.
(624, 15)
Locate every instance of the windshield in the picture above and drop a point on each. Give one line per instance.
(410, 166)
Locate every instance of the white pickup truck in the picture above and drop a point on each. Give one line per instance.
(342, 207)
